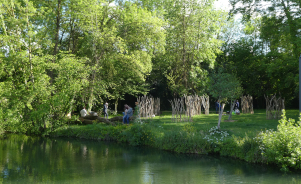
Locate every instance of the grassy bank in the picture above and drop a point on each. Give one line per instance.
(245, 138)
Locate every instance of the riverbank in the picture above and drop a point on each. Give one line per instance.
(244, 139)
(34, 159)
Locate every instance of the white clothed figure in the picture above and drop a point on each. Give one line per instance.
(83, 112)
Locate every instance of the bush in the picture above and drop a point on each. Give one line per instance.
(243, 148)
(134, 135)
(187, 140)
(283, 146)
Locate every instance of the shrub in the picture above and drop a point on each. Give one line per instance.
(133, 134)
(283, 146)
(189, 128)
(186, 140)
(215, 135)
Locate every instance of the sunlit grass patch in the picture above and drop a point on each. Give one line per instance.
(251, 124)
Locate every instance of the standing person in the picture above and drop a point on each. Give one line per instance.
(129, 114)
(105, 110)
(236, 106)
(83, 112)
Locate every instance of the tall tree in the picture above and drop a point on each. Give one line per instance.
(260, 57)
(23, 74)
(119, 40)
(285, 13)
(191, 44)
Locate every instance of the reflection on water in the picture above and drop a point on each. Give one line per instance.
(25, 159)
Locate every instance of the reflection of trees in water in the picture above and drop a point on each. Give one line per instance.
(42, 159)
(34, 159)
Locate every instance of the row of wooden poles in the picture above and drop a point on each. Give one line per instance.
(274, 106)
(148, 106)
(184, 108)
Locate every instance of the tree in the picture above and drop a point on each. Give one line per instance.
(30, 100)
(119, 41)
(264, 53)
(285, 13)
(23, 78)
(225, 87)
(191, 44)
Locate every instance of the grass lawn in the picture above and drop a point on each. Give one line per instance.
(250, 124)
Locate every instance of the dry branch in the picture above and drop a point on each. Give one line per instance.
(274, 106)
(149, 106)
(247, 104)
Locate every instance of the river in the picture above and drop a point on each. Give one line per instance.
(25, 159)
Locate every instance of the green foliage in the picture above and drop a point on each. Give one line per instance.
(92, 50)
(284, 145)
(243, 148)
(191, 44)
(269, 49)
(134, 135)
(189, 128)
(120, 42)
(287, 24)
(224, 86)
(182, 142)
(58, 55)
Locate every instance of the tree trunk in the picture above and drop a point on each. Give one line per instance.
(292, 28)
(184, 51)
(116, 104)
(58, 19)
(90, 101)
(91, 98)
(220, 116)
(29, 47)
(71, 106)
(231, 109)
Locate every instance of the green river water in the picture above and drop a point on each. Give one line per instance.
(25, 159)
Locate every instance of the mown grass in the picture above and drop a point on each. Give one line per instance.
(250, 124)
(244, 124)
